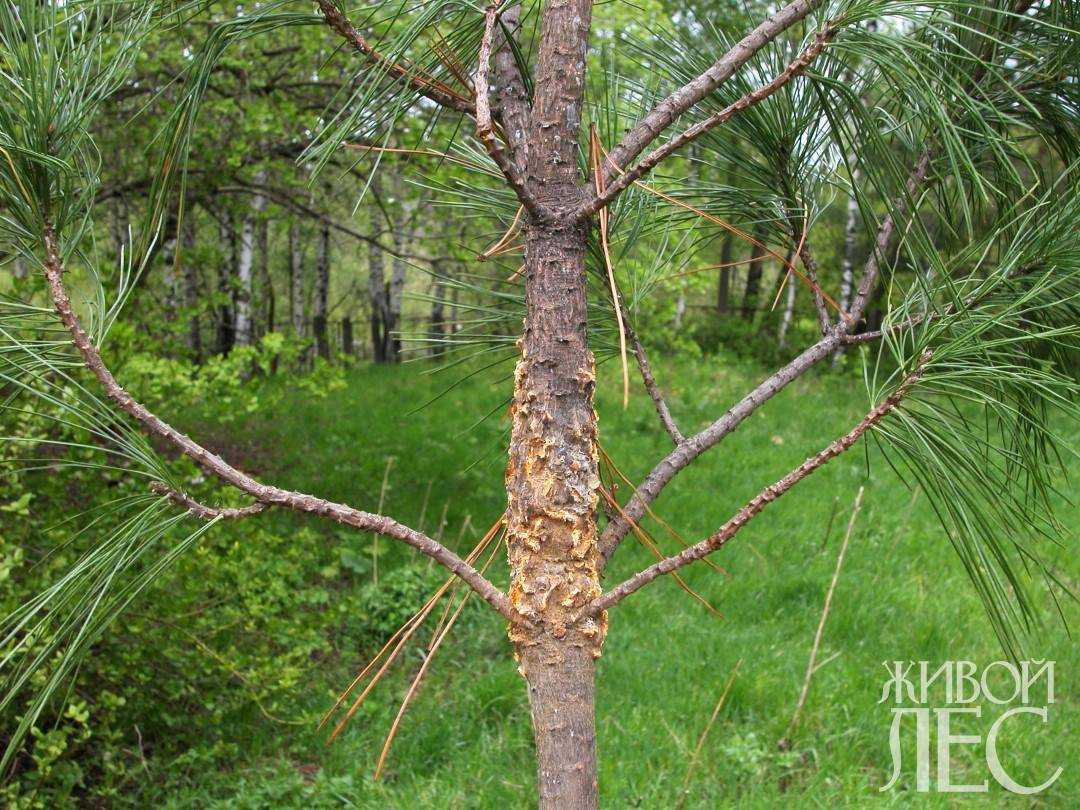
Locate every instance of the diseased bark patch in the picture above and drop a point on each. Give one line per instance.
(552, 482)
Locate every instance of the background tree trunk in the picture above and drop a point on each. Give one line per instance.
(723, 281)
(322, 293)
(169, 275)
(346, 337)
(269, 297)
(245, 331)
(753, 277)
(191, 287)
(789, 312)
(296, 281)
(851, 243)
(226, 335)
(377, 293)
(437, 320)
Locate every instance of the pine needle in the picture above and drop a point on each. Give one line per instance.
(595, 148)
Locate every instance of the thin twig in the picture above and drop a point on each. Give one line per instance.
(811, 667)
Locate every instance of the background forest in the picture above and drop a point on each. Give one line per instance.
(343, 321)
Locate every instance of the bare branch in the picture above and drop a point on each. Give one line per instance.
(650, 161)
(685, 453)
(760, 501)
(681, 100)
(806, 256)
(486, 133)
(201, 510)
(884, 236)
(429, 88)
(218, 467)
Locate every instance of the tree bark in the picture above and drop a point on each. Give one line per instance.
(552, 476)
(562, 703)
(552, 483)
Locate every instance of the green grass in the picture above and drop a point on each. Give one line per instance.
(902, 595)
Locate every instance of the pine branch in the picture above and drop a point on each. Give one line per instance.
(685, 453)
(664, 114)
(429, 88)
(512, 100)
(219, 468)
(755, 506)
(625, 179)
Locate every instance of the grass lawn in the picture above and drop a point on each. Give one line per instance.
(466, 742)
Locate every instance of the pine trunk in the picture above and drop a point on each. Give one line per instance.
(552, 481)
(552, 477)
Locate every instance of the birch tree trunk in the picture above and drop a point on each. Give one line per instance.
(169, 276)
(789, 312)
(851, 234)
(246, 265)
(552, 475)
(403, 235)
